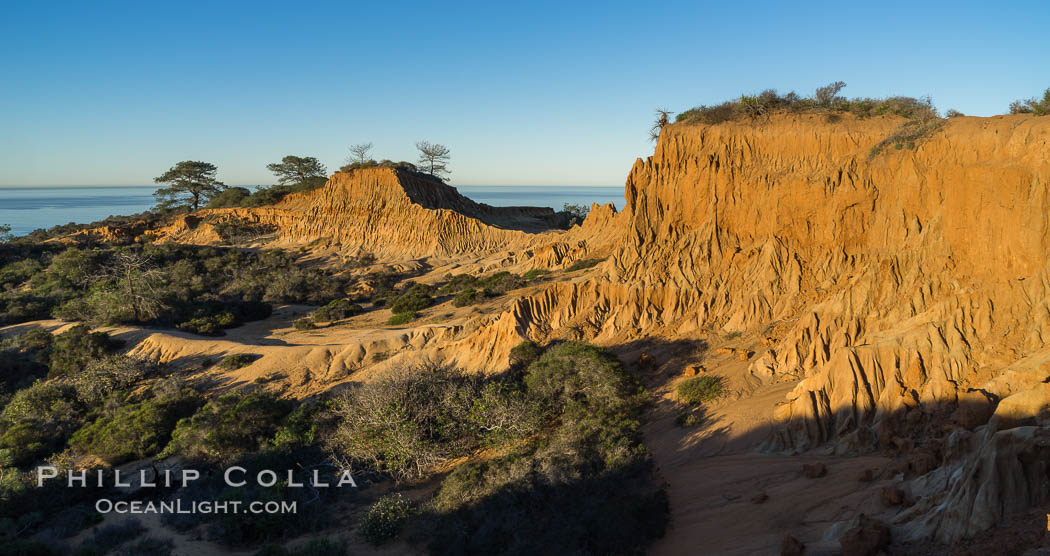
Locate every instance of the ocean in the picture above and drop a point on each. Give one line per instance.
(30, 208)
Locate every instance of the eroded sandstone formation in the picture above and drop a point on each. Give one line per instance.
(907, 292)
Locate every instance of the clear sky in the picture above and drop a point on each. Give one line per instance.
(529, 93)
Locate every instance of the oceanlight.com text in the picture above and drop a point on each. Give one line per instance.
(106, 506)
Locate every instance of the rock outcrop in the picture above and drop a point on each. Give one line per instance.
(906, 293)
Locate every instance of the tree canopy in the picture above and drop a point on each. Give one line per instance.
(191, 183)
(297, 170)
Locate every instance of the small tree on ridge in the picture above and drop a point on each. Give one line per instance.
(433, 158)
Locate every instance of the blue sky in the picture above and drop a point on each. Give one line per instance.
(531, 93)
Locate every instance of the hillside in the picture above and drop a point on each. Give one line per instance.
(877, 316)
(903, 295)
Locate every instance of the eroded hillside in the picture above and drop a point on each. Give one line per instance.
(881, 314)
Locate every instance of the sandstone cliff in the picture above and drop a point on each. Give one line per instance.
(908, 293)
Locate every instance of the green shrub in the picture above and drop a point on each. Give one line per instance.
(402, 318)
(523, 354)
(229, 426)
(74, 348)
(1034, 106)
(582, 484)
(24, 359)
(535, 273)
(416, 298)
(574, 214)
(699, 389)
(237, 360)
(583, 264)
(337, 309)
(135, 430)
(953, 113)
(385, 519)
(305, 323)
(469, 296)
(825, 100)
(574, 374)
(230, 197)
(500, 283)
(459, 282)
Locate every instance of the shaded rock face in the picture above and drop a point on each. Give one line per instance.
(908, 294)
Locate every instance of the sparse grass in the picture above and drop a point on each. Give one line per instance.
(733, 335)
(699, 389)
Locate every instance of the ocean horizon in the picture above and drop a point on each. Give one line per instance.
(29, 208)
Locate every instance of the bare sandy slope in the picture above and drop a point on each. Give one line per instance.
(714, 471)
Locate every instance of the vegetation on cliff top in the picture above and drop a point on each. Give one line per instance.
(825, 100)
(1034, 106)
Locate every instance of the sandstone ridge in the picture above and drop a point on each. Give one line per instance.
(906, 294)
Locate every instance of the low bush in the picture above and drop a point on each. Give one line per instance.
(416, 298)
(583, 264)
(237, 361)
(385, 519)
(305, 323)
(337, 309)
(74, 348)
(908, 136)
(469, 296)
(135, 430)
(500, 283)
(523, 354)
(535, 273)
(459, 282)
(583, 484)
(101, 378)
(106, 538)
(826, 100)
(402, 318)
(687, 419)
(229, 426)
(406, 424)
(236, 231)
(699, 389)
(230, 197)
